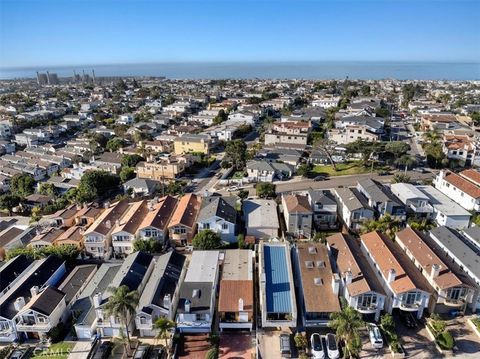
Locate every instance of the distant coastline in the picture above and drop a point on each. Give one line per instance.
(269, 70)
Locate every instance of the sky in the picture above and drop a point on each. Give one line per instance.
(79, 32)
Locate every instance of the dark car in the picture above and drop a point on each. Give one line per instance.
(142, 352)
(409, 320)
(383, 173)
(103, 350)
(320, 178)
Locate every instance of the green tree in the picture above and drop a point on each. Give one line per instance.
(212, 353)
(163, 326)
(206, 239)
(365, 90)
(127, 173)
(9, 201)
(397, 148)
(300, 341)
(347, 324)
(149, 245)
(131, 160)
(401, 178)
(386, 225)
(243, 194)
(122, 304)
(365, 148)
(422, 225)
(36, 214)
(241, 240)
(407, 161)
(114, 144)
(93, 184)
(265, 190)
(382, 112)
(235, 153)
(48, 189)
(303, 170)
(387, 323)
(475, 116)
(221, 117)
(175, 188)
(22, 185)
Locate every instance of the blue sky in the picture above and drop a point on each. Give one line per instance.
(72, 32)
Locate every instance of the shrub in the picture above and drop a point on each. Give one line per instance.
(56, 334)
(445, 340)
(212, 354)
(476, 320)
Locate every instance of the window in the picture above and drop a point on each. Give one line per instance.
(206, 226)
(224, 226)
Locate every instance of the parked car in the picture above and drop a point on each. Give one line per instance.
(285, 348)
(103, 350)
(233, 189)
(317, 347)
(142, 351)
(332, 347)
(375, 336)
(409, 320)
(320, 178)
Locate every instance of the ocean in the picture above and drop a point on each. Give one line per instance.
(269, 70)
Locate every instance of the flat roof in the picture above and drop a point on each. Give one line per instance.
(203, 266)
(260, 213)
(277, 279)
(238, 265)
(442, 203)
(317, 276)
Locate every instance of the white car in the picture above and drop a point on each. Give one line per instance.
(332, 347)
(317, 347)
(375, 336)
(233, 189)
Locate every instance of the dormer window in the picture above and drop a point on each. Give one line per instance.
(309, 264)
(318, 281)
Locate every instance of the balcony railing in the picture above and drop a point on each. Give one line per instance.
(422, 209)
(411, 307)
(35, 327)
(454, 302)
(365, 309)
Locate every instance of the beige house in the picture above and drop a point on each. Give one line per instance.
(166, 168)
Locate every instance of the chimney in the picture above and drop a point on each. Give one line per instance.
(167, 301)
(348, 277)
(187, 306)
(335, 283)
(108, 224)
(34, 290)
(435, 270)
(97, 300)
(391, 275)
(240, 304)
(117, 222)
(106, 204)
(19, 303)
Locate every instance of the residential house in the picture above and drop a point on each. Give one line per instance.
(125, 119)
(358, 283)
(134, 273)
(166, 168)
(459, 189)
(98, 236)
(459, 250)
(352, 208)
(45, 238)
(278, 306)
(15, 236)
(261, 218)
(446, 212)
(219, 215)
(75, 283)
(405, 287)
(318, 286)
(461, 148)
(236, 294)
(452, 288)
(298, 215)
(416, 202)
(196, 306)
(155, 222)
(381, 199)
(183, 224)
(265, 171)
(125, 229)
(43, 273)
(324, 209)
(142, 186)
(161, 294)
(43, 312)
(83, 307)
(351, 133)
(71, 236)
(11, 271)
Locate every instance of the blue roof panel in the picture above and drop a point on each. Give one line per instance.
(277, 283)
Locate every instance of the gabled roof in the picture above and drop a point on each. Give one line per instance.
(159, 213)
(351, 198)
(13, 269)
(472, 175)
(462, 184)
(297, 203)
(130, 220)
(260, 213)
(187, 211)
(222, 207)
(105, 222)
(47, 300)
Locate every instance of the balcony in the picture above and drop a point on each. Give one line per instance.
(34, 327)
(454, 302)
(409, 307)
(367, 309)
(421, 209)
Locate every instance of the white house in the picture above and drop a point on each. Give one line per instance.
(125, 119)
(219, 215)
(261, 218)
(459, 189)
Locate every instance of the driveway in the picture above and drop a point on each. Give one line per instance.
(468, 343)
(237, 345)
(416, 341)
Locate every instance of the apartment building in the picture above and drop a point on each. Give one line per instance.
(192, 143)
(166, 168)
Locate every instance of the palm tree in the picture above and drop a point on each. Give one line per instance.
(406, 160)
(385, 225)
(163, 325)
(122, 304)
(347, 323)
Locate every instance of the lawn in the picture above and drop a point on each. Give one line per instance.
(347, 168)
(55, 351)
